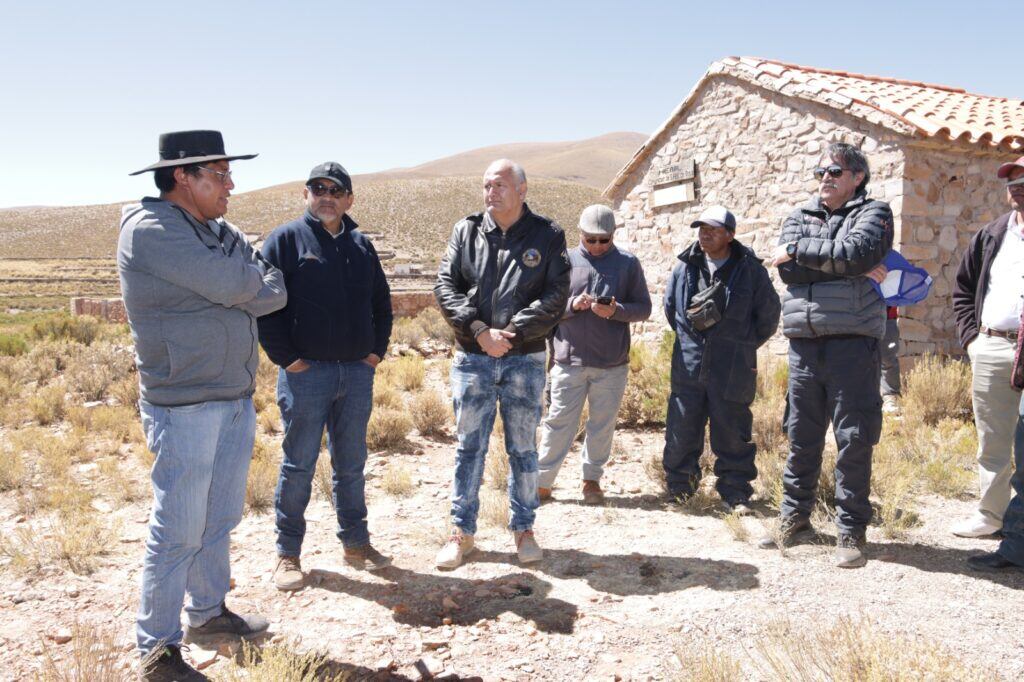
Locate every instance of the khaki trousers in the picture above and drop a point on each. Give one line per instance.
(995, 416)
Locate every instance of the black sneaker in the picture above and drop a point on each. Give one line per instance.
(168, 666)
(227, 623)
(790, 527)
(850, 550)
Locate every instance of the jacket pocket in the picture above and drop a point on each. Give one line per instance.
(312, 332)
(196, 349)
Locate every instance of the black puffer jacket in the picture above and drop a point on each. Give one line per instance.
(517, 280)
(827, 294)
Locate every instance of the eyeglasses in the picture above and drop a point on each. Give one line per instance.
(319, 190)
(834, 171)
(597, 240)
(223, 176)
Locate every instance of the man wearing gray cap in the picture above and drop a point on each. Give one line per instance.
(607, 291)
(327, 342)
(723, 307)
(193, 288)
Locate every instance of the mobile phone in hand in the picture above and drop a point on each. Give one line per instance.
(604, 300)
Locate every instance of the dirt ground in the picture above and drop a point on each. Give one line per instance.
(626, 591)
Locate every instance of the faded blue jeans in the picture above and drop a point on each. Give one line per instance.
(1012, 545)
(338, 396)
(480, 386)
(202, 461)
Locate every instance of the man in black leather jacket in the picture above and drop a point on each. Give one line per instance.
(502, 285)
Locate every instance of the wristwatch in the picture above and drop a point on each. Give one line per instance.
(791, 249)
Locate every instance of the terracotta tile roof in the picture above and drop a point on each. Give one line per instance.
(907, 107)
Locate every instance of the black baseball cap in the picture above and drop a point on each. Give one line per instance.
(333, 171)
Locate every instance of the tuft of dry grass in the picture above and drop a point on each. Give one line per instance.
(397, 480)
(14, 474)
(262, 480)
(72, 540)
(708, 666)
(323, 479)
(269, 419)
(737, 527)
(405, 372)
(496, 466)
(386, 396)
(430, 413)
(494, 509)
(93, 655)
(937, 387)
(47, 405)
(656, 471)
(278, 662)
(645, 401)
(388, 428)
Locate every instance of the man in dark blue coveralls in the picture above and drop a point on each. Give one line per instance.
(828, 252)
(722, 306)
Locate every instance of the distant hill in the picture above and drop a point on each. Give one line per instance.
(412, 209)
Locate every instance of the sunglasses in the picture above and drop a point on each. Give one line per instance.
(833, 171)
(597, 240)
(1015, 183)
(319, 190)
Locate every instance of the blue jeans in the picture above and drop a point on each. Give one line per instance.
(480, 384)
(338, 396)
(202, 461)
(1012, 545)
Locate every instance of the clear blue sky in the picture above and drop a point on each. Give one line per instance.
(87, 87)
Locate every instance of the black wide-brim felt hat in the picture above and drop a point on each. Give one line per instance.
(192, 146)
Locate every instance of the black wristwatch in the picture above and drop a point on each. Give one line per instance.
(791, 249)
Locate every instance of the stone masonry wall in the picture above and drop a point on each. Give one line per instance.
(754, 152)
(949, 194)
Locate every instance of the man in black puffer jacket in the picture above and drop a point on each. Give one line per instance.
(828, 251)
(502, 286)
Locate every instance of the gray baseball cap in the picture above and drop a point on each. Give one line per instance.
(333, 171)
(716, 216)
(597, 219)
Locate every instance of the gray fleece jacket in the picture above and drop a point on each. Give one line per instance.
(192, 292)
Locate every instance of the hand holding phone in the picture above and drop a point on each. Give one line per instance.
(604, 300)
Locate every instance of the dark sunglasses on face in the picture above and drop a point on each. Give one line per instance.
(319, 190)
(597, 240)
(834, 171)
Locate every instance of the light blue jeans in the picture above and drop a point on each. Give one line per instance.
(480, 386)
(202, 461)
(602, 389)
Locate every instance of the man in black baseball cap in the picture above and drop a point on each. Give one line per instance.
(327, 341)
(193, 288)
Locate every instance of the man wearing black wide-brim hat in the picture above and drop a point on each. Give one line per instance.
(193, 288)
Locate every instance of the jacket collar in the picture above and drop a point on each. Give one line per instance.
(347, 224)
(490, 226)
(815, 205)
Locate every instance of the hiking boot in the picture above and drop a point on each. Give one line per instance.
(850, 550)
(454, 551)
(228, 623)
(592, 493)
(527, 548)
(739, 506)
(789, 528)
(168, 666)
(544, 494)
(366, 558)
(288, 574)
(890, 404)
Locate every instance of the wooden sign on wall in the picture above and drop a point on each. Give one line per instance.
(673, 184)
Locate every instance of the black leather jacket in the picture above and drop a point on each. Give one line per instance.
(517, 280)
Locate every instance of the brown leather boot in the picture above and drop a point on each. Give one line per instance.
(592, 493)
(544, 494)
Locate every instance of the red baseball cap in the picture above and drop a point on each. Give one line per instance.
(1004, 170)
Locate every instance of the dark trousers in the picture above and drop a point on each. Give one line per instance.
(1012, 545)
(832, 380)
(690, 407)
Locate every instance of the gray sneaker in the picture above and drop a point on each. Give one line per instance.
(288, 574)
(527, 548)
(850, 550)
(790, 529)
(228, 623)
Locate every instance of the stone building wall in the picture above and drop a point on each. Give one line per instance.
(754, 152)
(949, 194)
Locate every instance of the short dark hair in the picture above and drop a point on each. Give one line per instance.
(164, 177)
(850, 157)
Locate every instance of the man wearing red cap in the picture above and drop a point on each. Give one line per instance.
(987, 306)
(1010, 554)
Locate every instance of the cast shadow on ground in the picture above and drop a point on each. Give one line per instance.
(934, 559)
(419, 598)
(638, 574)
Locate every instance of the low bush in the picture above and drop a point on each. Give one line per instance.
(12, 344)
(47, 405)
(386, 396)
(937, 387)
(277, 662)
(496, 466)
(645, 401)
(63, 327)
(94, 655)
(13, 471)
(397, 480)
(430, 413)
(405, 372)
(388, 428)
(262, 480)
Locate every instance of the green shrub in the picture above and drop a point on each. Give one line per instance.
(12, 344)
(937, 387)
(646, 398)
(63, 327)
